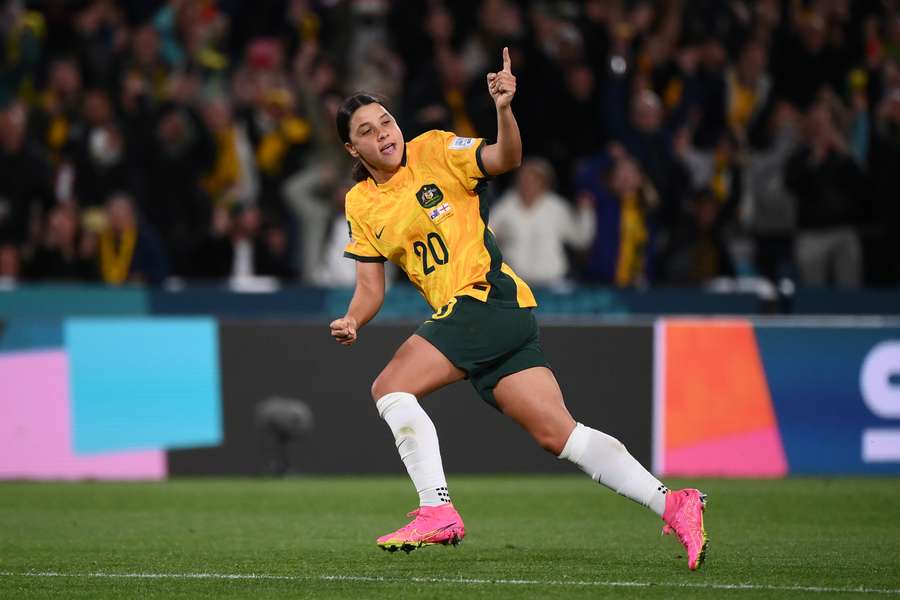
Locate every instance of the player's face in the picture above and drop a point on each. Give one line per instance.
(376, 138)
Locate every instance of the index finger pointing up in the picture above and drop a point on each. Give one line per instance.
(507, 64)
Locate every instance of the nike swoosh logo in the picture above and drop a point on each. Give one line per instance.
(432, 533)
(378, 235)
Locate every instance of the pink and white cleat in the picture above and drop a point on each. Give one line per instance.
(684, 516)
(431, 525)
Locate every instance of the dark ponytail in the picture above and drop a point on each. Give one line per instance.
(344, 114)
(359, 171)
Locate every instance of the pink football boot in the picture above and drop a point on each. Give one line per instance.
(684, 516)
(432, 525)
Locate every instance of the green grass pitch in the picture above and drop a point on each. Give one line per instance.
(533, 536)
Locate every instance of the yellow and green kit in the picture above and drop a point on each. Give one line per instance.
(431, 220)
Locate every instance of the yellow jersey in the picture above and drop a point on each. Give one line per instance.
(431, 220)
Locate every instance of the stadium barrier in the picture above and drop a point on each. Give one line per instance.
(402, 302)
(103, 398)
(767, 398)
(280, 397)
(132, 395)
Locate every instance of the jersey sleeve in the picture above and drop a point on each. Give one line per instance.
(359, 247)
(463, 157)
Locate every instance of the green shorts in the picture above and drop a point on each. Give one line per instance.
(485, 340)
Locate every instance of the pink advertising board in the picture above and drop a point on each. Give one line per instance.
(36, 427)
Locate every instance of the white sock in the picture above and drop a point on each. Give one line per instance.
(417, 443)
(607, 461)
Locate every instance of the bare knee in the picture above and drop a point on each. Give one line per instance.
(388, 382)
(380, 387)
(551, 439)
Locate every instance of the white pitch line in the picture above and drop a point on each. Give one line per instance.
(459, 580)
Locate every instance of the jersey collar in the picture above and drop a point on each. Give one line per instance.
(400, 178)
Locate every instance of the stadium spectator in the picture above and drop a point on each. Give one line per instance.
(143, 72)
(22, 34)
(626, 201)
(805, 61)
(748, 87)
(644, 136)
(715, 170)
(770, 209)
(647, 139)
(280, 138)
(534, 225)
(232, 179)
(331, 268)
(180, 152)
(192, 36)
(100, 34)
(98, 153)
(697, 252)
(444, 98)
(25, 178)
(886, 180)
(309, 193)
(241, 246)
(56, 119)
(129, 250)
(157, 97)
(64, 254)
(829, 188)
(580, 101)
(10, 263)
(316, 201)
(710, 109)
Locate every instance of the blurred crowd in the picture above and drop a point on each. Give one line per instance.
(668, 142)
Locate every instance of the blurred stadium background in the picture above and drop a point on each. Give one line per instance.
(709, 212)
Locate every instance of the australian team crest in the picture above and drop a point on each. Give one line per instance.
(429, 195)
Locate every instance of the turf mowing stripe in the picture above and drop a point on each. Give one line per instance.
(446, 580)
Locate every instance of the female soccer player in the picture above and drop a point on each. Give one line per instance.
(423, 205)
